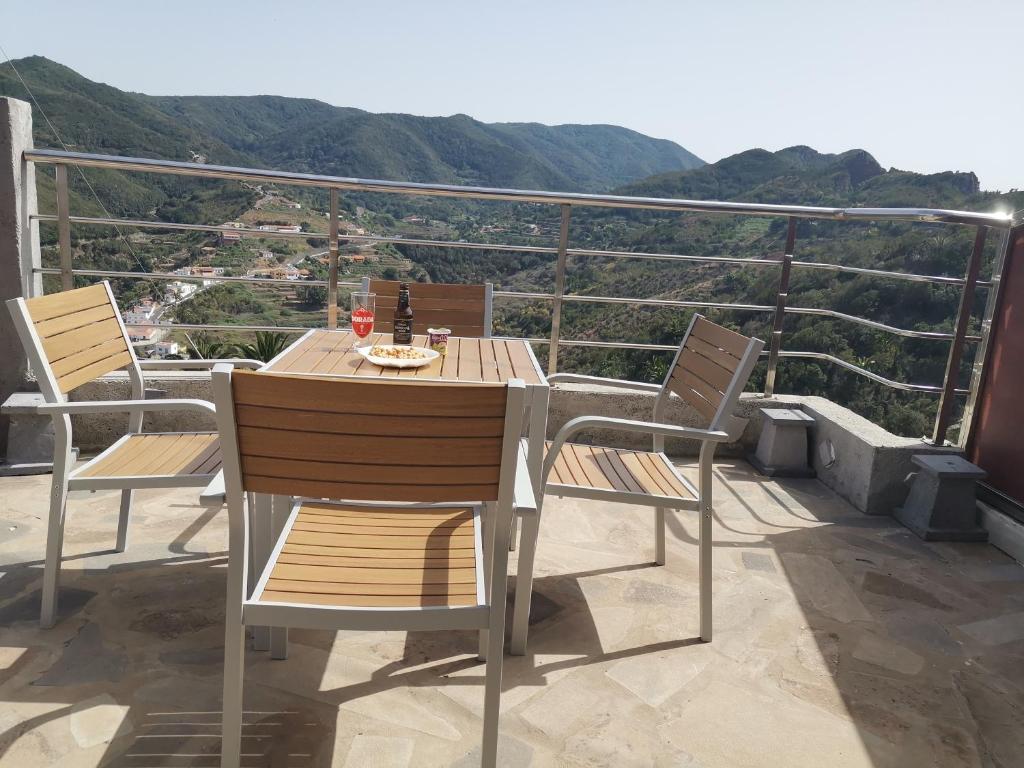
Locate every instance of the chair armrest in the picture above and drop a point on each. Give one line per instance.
(626, 425)
(525, 501)
(203, 365)
(127, 406)
(576, 378)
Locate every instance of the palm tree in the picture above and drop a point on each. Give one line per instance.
(268, 345)
(205, 348)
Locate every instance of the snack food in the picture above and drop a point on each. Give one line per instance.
(397, 352)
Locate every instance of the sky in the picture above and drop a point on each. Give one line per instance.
(923, 86)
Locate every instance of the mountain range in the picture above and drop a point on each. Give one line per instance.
(310, 135)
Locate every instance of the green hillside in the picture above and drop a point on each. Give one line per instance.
(309, 135)
(796, 175)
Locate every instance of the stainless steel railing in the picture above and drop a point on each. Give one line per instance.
(958, 338)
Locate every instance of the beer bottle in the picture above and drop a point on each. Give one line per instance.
(403, 316)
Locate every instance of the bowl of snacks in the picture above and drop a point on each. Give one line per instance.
(398, 355)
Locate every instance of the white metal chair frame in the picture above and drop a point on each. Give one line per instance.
(514, 496)
(65, 478)
(723, 428)
(488, 305)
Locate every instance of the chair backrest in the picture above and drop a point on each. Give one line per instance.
(466, 309)
(72, 337)
(367, 440)
(710, 370)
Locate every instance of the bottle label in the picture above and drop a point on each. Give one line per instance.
(403, 331)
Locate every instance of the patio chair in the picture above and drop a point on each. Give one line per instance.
(72, 338)
(466, 309)
(709, 372)
(438, 472)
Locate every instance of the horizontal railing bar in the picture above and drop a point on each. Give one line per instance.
(667, 303)
(202, 170)
(934, 335)
(522, 295)
(927, 388)
(185, 278)
(449, 244)
(673, 257)
(259, 233)
(144, 224)
(911, 276)
(224, 327)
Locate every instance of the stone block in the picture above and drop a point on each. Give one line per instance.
(941, 505)
(782, 447)
(29, 436)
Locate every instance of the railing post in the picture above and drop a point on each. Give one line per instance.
(67, 278)
(982, 353)
(956, 346)
(26, 441)
(332, 277)
(775, 345)
(556, 309)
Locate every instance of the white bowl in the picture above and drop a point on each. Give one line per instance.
(398, 362)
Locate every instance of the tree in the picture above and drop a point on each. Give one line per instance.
(268, 345)
(206, 348)
(311, 295)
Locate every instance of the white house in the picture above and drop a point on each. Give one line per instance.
(165, 348)
(141, 313)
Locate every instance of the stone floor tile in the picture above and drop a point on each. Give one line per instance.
(997, 630)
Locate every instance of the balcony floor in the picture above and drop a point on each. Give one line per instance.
(841, 640)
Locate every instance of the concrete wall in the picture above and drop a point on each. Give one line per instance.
(869, 469)
(19, 241)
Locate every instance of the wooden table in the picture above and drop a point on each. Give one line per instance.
(468, 359)
(332, 353)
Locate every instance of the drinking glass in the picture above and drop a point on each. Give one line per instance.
(362, 315)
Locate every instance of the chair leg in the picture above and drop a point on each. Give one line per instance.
(234, 682)
(492, 703)
(281, 508)
(127, 495)
(486, 519)
(704, 566)
(514, 534)
(262, 535)
(659, 535)
(524, 585)
(54, 546)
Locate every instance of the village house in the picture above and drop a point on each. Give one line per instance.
(141, 313)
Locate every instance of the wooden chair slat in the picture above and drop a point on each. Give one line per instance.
(458, 291)
(732, 342)
(65, 323)
(706, 369)
(321, 394)
(358, 424)
(701, 404)
(66, 302)
(368, 491)
(374, 560)
(614, 469)
(350, 449)
(60, 346)
(361, 472)
(459, 307)
(684, 378)
(95, 370)
(342, 588)
(369, 601)
(159, 454)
